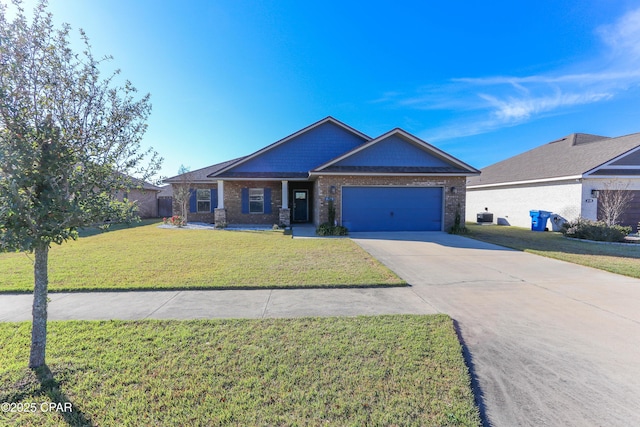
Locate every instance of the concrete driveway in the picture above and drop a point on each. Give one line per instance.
(549, 343)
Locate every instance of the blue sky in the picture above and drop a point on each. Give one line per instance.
(480, 80)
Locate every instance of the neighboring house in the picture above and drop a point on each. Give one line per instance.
(564, 177)
(146, 197)
(393, 182)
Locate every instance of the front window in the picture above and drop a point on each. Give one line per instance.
(256, 200)
(204, 200)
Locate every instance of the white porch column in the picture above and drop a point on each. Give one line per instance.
(285, 194)
(220, 194)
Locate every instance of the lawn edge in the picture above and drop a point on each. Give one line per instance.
(404, 284)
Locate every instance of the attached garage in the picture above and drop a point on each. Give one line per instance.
(392, 208)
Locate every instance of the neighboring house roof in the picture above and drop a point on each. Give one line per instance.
(166, 191)
(140, 184)
(200, 175)
(568, 157)
(148, 186)
(396, 152)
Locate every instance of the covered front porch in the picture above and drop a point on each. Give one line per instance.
(284, 202)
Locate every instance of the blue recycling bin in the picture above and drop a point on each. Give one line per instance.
(539, 220)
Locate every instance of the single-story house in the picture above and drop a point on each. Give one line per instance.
(393, 182)
(564, 177)
(145, 195)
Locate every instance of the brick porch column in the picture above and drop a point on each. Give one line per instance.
(285, 213)
(220, 213)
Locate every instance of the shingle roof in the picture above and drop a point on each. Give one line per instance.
(166, 191)
(569, 156)
(202, 174)
(140, 184)
(268, 175)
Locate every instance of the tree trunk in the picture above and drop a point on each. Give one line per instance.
(39, 312)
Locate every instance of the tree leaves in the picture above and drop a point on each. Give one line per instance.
(70, 139)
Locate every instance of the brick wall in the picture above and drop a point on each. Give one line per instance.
(233, 202)
(147, 201)
(452, 200)
(194, 216)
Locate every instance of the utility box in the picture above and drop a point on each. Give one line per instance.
(484, 217)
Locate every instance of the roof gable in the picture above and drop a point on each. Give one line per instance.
(297, 154)
(627, 164)
(631, 159)
(394, 150)
(571, 156)
(397, 152)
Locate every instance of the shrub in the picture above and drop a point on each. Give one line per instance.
(328, 229)
(595, 230)
(176, 221)
(332, 213)
(458, 227)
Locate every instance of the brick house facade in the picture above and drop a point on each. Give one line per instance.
(453, 199)
(295, 179)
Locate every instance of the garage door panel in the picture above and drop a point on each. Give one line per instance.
(392, 208)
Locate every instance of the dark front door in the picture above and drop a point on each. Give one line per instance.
(301, 205)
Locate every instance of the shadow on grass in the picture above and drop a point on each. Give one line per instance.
(49, 386)
(475, 384)
(402, 284)
(529, 241)
(92, 231)
(41, 382)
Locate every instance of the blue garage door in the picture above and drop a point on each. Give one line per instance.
(392, 208)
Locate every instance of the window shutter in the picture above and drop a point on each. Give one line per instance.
(214, 199)
(193, 205)
(245, 200)
(267, 200)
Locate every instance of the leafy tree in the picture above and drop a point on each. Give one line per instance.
(69, 141)
(182, 191)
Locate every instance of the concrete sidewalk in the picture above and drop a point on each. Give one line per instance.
(218, 304)
(547, 342)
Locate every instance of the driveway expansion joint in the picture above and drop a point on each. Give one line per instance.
(266, 304)
(163, 304)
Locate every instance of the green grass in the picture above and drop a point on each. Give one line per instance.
(385, 370)
(148, 257)
(616, 258)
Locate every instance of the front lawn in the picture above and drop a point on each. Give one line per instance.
(617, 258)
(148, 257)
(385, 370)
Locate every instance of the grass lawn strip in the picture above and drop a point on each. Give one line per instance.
(148, 257)
(385, 370)
(615, 258)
